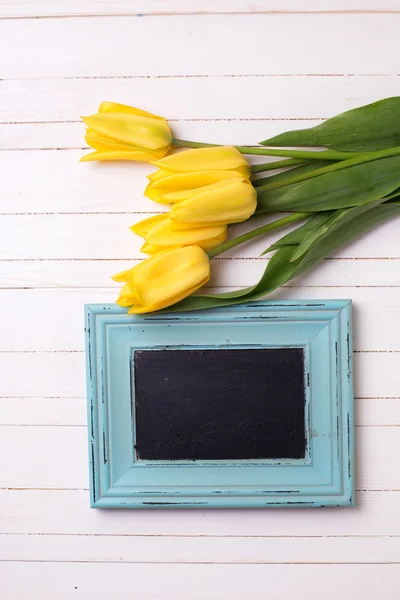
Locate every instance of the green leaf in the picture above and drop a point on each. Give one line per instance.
(293, 238)
(344, 188)
(349, 231)
(372, 127)
(339, 218)
(281, 270)
(313, 166)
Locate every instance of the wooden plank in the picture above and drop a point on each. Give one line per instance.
(62, 374)
(60, 136)
(52, 411)
(196, 582)
(187, 98)
(62, 8)
(67, 511)
(137, 41)
(372, 412)
(65, 467)
(344, 273)
(377, 412)
(47, 374)
(194, 550)
(107, 236)
(376, 316)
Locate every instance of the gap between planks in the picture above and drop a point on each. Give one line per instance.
(213, 562)
(199, 76)
(201, 535)
(185, 120)
(217, 258)
(136, 15)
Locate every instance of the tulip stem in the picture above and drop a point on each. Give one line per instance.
(189, 144)
(358, 160)
(262, 151)
(257, 232)
(278, 164)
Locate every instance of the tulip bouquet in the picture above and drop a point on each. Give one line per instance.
(347, 184)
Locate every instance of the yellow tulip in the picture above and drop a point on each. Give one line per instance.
(159, 233)
(217, 158)
(163, 279)
(159, 188)
(224, 202)
(120, 132)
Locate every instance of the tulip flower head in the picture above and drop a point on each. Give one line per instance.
(163, 279)
(161, 233)
(205, 186)
(120, 132)
(224, 202)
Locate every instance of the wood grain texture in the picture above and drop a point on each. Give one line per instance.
(201, 36)
(377, 467)
(86, 273)
(66, 136)
(377, 306)
(65, 512)
(195, 549)
(54, 236)
(284, 65)
(183, 98)
(33, 8)
(199, 581)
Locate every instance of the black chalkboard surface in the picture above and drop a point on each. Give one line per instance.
(219, 404)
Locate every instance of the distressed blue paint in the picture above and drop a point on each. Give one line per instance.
(325, 477)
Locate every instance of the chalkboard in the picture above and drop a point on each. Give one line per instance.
(219, 404)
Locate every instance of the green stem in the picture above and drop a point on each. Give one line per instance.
(262, 151)
(278, 164)
(363, 158)
(304, 154)
(257, 232)
(188, 144)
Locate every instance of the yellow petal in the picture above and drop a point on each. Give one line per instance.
(143, 227)
(213, 242)
(136, 155)
(104, 143)
(126, 297)
(179, 196)
(172, 182)
(124, 108)
(152, 249)
(140, 308)
(121, 277)
(163, 234)
(155, 195)
(229, 201)
(225, 158)
(206, 244)
(169, 276)
(159, 174)
(148, 133)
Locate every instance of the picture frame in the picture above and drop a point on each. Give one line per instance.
(320, 474)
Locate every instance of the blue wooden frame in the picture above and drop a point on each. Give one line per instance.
(325, 477)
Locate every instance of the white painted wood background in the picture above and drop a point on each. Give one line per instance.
(229, 71)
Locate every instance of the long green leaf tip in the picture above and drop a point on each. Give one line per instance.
(372, 127)
(280, 269)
